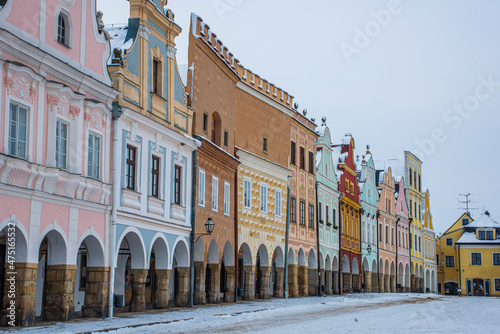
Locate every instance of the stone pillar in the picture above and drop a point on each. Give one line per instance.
(59, 293)
(346, 282)
(25, 287)
(387, 283)
(313, 282)
(160, 297)
(393, 283)
(381, 282)
(374, 280)
(199, 283)
(356, 282)
(214, 279)
(412, 283)
(322, 282)
(230, 285)
(249, 293)
(293, 280)
(421, 284)
(329, 282)
(264, 284)
(303, 281)
(182, 292)
(280, 282)
(368, 281)
(96, 293)
(138, 300)
(335, 282)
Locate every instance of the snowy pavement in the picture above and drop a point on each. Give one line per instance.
(356, 313)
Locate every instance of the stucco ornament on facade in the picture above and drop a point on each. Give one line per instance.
(171, 51)
(21, 87)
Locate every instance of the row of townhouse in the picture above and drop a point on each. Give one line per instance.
(128, 182)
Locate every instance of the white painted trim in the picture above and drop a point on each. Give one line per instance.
(180, 239)
(93, 233)
(69, 29)
(250, 181)
(83, 32)
(43, 21)
(56, 227)
(159, 235)
(262, 165)
(202, 171)
(120, 240)
(215, 179)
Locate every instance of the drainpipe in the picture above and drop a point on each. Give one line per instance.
(340, 244)
(317, 242)
(286, 239)
(116, 113)
(193, 222)
(236, 249)
(460, 272)
(410, 222)
(397, 264)
(378, 250)
(361, 246)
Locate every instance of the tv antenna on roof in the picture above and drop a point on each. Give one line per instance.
(466, 202)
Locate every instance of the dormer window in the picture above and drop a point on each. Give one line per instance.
(63, 29)
(489, 235)
(481, 235)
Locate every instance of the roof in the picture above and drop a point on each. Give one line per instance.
(397, 167)
(183, 73)
(470, 238)
(484, 221)
(118, 34)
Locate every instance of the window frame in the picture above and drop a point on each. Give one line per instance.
(99, 164)
(311, 215)
(226, 139)
(495, 284)
(449, 261)
(474, 256)
(201, 187)
(215, 194)
(278, 197)
(293, 209)
(265, 143)
(131, 167)
(481, 235)
(247, 193)
(302, 213)
(490, 233)
(311, 162)
(68, 28)
(293, 153)
(155, 176)
(18, 106)
(227, 198)
(498, 258)
(263, 198)
(449, 241)
(177, 184)
(156, 77)
(302, 158)
(205, 122)
(58, 143)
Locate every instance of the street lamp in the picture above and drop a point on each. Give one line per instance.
(209, 227)
(369, 249)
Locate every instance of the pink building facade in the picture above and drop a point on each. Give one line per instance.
(55, 165)
(403, 235)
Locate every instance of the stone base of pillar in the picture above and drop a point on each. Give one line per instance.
(387, 283)
(280, 280)
(303, 281)
(249, 292)
(264, 284)
(407, 289)
(230, 285)
(393, 283)
(374, 280)
(138, 299)
(421, 285)
(96, 293)
(293, 280)
(182, 293)
(356, 282)
(335, 282)
(213, 295)
(381, 282)
(59, 293)
(160, 297)
(313, 282)
(199, 283)
(346, 283)
(25, 287)
(368, 281)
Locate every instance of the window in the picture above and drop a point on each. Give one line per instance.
(419, 213)
(419, 244)
(496, 259)
(302, 212)
(419, 183)
(61, 144)
(94, 156)
(62, 29)
(414, 179)
(449, 241)
(489, 235)
(227, 191)
(263, 198)
(205, 122)
(247, 193)
(387, 234)
(380, 232)
(201, 188)
(177, 184)
(411, 179)
(497, 284)
(439, 288)
(293, 210)
(320, 213)
(392, 236)
(437, 259)
(411, 207)
(155, 176)
(416, 246)
(130, 174)
(450, 261)
(83, 271)
(293, 154)
(327, 214)
(465, 221)
(226, 138)
(215, 193)
(311, 163)
(278, 203)
(311, 216)
(481, 235)
(476, 259)
(156, 78)
(334, 217)
(264, 144)
(18, 130)
(302, 158)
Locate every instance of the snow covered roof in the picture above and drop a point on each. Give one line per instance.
(484, 221)
(118, 34)
(321, 129)
(470, 238)
(397, 167)
(318, 157)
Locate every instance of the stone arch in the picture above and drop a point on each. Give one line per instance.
(401, 274)
(387, 269)
(427, 280)
(178, 286)
(246, 254)
(199, 251)
(216, 134)
(279, 261)
(57, 250)
(312, 261)
(21, 237)
(135, 242)
(213, 253)
(159, 245)
(301, 258)
(181, 253)
(345, 264)
(393, 268)
(433, 282)
(421, 272)
(374, 266)
(366, 265)
(407, 275)
(95, 250)
(263, 256)
(335, 263)
(328, 262)
(291, 256)
(355, 266)
(321, 261)
(381, 266)
(228, 254)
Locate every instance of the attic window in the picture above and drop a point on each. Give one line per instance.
(465, 221)
(481, 235)
(63, 29)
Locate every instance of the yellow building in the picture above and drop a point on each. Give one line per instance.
(472, 261)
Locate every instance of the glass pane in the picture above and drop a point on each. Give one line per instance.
(22, 116)
(12, 147)
(13, 113)
(22, 132)
(22, 149)
(13, 130)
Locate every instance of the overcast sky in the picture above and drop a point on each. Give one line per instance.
(422, 76)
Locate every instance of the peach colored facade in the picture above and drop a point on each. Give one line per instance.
(55, 149)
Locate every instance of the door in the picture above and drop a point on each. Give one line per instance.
(478, 287)
(469, 287)
(487, 287)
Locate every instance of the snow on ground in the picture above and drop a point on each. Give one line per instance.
(355, 313)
